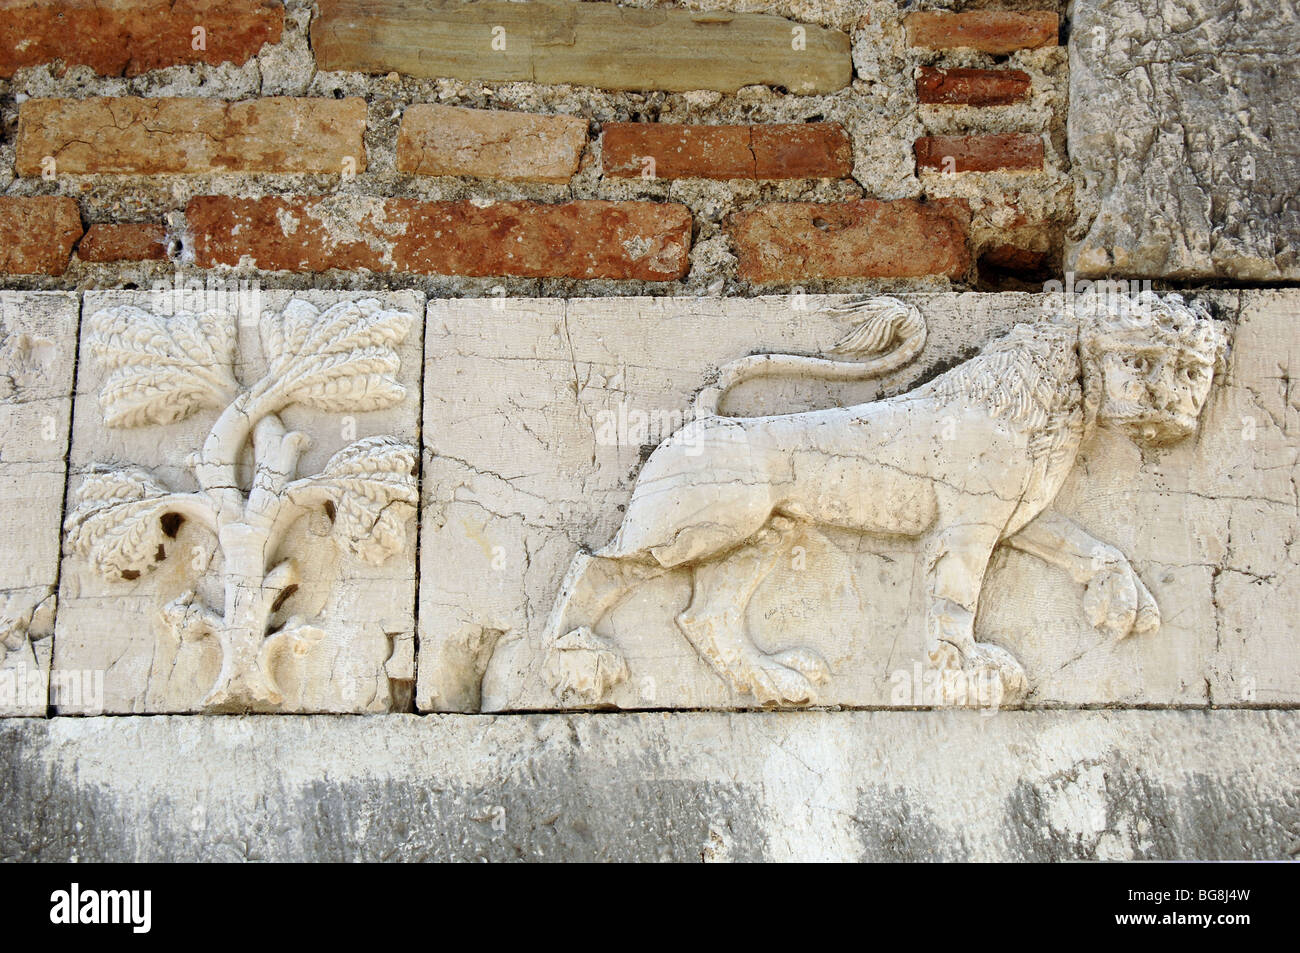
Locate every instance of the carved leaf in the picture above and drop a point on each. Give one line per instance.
(341, 359)
(162, 369)
(370, 488)
(117, 522)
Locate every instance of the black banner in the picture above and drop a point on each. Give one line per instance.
(143, 903)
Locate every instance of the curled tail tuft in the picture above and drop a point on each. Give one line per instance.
(889, 334)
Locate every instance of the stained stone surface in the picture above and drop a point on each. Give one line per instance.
(1184, 139)
(37, 357)
(539, 416)
(1102, 785)
(343, 612)
(605, 46)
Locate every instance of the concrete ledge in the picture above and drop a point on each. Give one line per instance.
(687, 786)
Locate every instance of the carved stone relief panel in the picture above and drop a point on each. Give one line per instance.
(37, 356)
(239, 532)
(979, 500)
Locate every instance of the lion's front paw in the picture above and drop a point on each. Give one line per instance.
(1118, 603)
(783, 678)
(984, 676)
(1000, 679)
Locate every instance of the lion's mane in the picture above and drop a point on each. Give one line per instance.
(1029, 377)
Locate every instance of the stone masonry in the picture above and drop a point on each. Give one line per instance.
(691, 430)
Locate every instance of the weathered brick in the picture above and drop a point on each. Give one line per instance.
(990, 31)
(128, 37)
(802, 151)
(37, 234)
(133, 135)
(777, 151)
(489, 143)
(972, 87)
(1014, 151)
(583, 239)
(677, 151)
(868, 238)
(134, 242)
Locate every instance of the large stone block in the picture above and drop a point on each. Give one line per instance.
(1138, 505)
(37, 357)
(583, 44)
(1096, 785)
(239, 529)
(1185, 140)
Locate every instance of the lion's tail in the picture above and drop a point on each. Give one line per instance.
(890, 334)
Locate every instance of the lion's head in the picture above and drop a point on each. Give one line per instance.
(1148, 363)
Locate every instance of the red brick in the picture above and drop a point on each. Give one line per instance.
(972, 87)
(144, 242)
(990, 31)
(128, 37)
(779, 151)
(813, 150)
(138, 136)
(489, 143)
(906, 238)
(988, 153)
(584, 239)
(37, 234)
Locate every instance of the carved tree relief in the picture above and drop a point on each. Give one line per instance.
(967, 462)
(161, 370)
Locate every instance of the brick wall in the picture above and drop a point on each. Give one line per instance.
(855, 145)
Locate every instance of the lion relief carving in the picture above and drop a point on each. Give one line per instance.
(965, 463)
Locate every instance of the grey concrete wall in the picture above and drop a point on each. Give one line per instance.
(1045, 785)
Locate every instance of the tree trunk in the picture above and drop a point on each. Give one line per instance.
(242, 684)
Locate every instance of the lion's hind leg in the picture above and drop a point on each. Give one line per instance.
(714, 623)
(971, 673)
